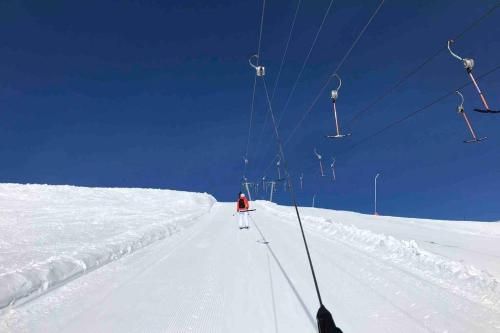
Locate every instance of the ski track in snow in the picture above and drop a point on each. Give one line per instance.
(213, 277)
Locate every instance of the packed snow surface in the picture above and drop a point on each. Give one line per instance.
(376, 273)
(50, 234)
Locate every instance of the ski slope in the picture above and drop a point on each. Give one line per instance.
(377, 274)
(52, 234)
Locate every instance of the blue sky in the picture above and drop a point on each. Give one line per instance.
(157, 94)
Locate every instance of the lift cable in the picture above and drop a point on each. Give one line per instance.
(419, 67)
(412, 114)
(324, 317)
(304, 64)
(282, 64)
(252, 107)
(339, 66)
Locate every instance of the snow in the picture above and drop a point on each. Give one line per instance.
(51, 234)
(466, 279)
(376, 273)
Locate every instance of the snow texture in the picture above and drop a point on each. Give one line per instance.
(465, 279)
(53, 234)
(376, 273)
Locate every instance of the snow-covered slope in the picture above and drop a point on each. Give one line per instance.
(376, 274)
(51, 234)
(455, 255)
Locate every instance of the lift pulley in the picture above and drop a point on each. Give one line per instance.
(259, 70)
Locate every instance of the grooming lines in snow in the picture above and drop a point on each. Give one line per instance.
(461, 110)
(469, 64)
(334, 96)
(320, 162)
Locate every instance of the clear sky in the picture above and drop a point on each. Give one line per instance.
(157, 94)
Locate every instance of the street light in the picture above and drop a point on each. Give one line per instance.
(375, 210)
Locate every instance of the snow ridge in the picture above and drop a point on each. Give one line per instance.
(466, 280)
(21, 284)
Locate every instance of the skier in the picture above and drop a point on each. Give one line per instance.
(242, 207)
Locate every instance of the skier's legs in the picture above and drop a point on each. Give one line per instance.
(240, 219)
(246, 219)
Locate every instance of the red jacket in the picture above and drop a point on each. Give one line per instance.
(247, 205)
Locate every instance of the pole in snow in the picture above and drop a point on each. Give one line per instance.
(320, 162)
(334, 97)
(461, 110)
(468, 65)
(375, 210)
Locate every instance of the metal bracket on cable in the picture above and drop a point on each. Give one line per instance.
(259, 70)
(468, 63)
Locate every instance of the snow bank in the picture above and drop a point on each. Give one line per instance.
(50, 235)
(475, 284)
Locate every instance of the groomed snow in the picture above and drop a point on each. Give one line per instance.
(376, 273)
(52, 234)
(450, 271)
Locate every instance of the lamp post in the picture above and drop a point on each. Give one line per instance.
(375, 210)
(273, 183)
